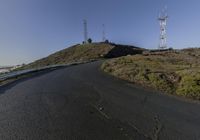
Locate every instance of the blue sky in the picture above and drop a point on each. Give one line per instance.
(32, 29)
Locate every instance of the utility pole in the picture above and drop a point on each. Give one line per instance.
(163, 28)
(85, 31)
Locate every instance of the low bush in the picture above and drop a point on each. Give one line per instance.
(174, 73)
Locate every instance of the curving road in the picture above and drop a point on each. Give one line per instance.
(83, 103)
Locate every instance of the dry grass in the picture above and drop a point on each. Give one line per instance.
(73, 54)
(171, 72)
(85, 52)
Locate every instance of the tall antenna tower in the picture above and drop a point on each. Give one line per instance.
(163, 28)
(103, 33)
(85, 30)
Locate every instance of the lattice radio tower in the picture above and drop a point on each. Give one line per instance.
(163, 28)
(85, 31)
(103, 33)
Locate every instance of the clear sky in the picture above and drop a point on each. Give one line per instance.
(32, 29)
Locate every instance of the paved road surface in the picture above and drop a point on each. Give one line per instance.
(82, 103)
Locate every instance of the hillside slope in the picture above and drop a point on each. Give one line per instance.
(85, 52)
(172, 72)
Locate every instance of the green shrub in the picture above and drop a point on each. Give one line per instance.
(160, 81)
(189, 86)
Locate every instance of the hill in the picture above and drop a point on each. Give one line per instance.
(85, 52)
(174, 72)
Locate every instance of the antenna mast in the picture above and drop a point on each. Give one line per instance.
(85, 30)
(163, 28)
(103, 33)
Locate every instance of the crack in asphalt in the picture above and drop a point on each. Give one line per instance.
(139, 131)
(143, 102)
(157, 129)
(121, 128)
(158, 125)
(101, 112)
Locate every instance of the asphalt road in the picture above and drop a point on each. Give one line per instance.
(83, 103)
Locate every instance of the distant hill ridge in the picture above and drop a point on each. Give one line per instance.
(85, 52)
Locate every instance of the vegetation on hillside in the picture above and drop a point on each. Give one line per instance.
(171, 72)
(73, 54)
(84, 52)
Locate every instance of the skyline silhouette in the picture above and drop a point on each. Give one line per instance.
(33, 29)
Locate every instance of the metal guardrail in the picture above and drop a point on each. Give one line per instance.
(23, 72)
